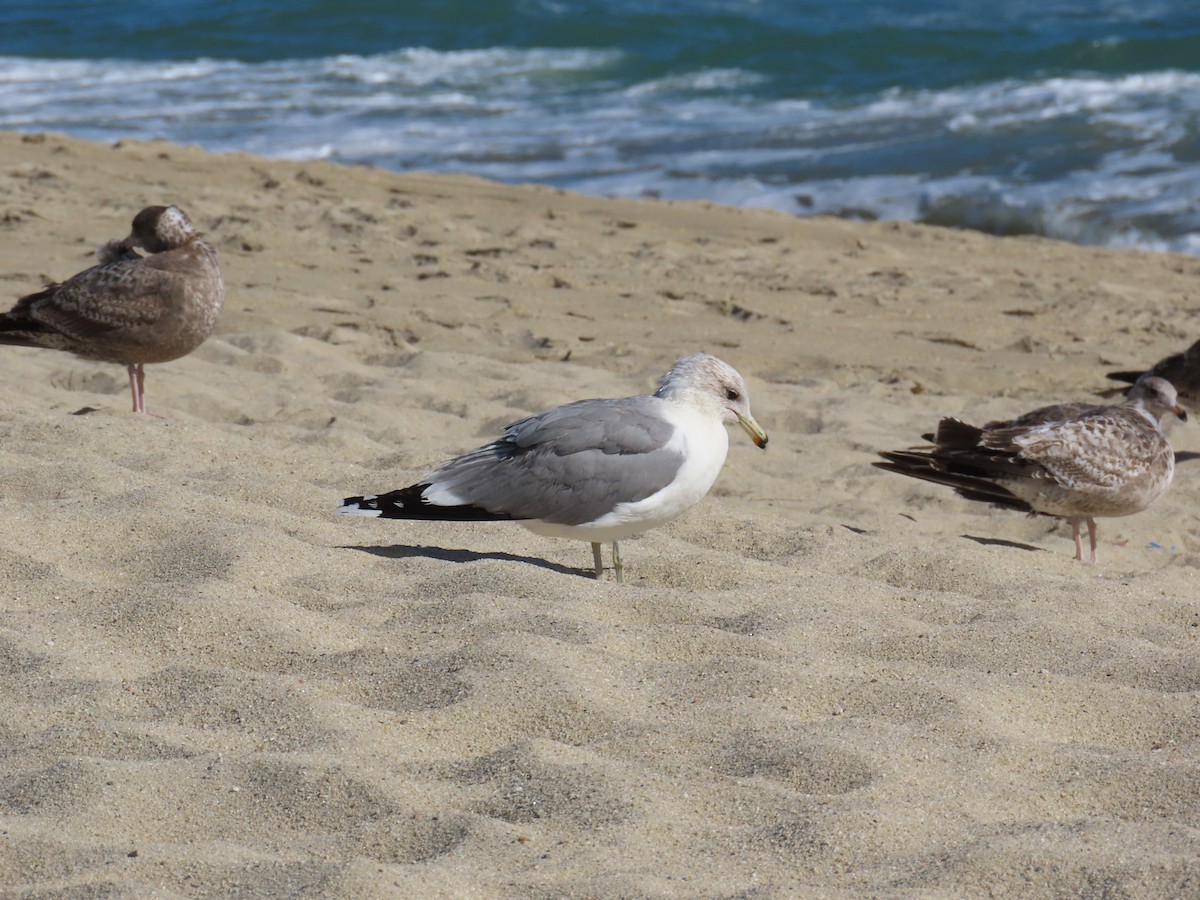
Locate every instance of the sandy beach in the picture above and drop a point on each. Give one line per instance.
(822, 681)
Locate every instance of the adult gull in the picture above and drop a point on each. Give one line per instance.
(594, 470)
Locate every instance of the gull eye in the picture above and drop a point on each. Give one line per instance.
(732, 394)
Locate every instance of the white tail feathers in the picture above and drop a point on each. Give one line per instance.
(353, 506)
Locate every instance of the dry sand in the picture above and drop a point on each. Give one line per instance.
(823, 681)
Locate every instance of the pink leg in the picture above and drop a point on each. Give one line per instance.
(133, 386)
(137, 387)
(1092, 536)
(1078, 541)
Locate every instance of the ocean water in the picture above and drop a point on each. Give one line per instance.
(1079, 120)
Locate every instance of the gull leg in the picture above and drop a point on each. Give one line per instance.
(139, 399)
(599, 561)
(1092, 536)
(1078, 542)
(137, 386)
(617, 567)
(133, 385)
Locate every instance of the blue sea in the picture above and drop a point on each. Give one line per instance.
(1079, 120)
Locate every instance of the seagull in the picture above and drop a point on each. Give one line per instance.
(594, 470)
(1181, 369)
(1056, 412)
(1105, 461)
(129, 309)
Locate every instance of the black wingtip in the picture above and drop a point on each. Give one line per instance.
(410, 503)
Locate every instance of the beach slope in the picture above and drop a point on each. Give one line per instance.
(823, 680)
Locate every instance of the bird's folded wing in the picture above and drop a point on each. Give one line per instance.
(100, 300)
(569, 465)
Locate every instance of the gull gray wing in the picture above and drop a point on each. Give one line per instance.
(567, 466)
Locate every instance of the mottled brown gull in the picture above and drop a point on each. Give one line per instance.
(129, 309)
(1103, 462)
(593, 470)
(1181, 369)
(1055, 412)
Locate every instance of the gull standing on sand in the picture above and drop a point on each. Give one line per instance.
(1103, 462)
(129, 309)
(594, 470)
(1181, 369)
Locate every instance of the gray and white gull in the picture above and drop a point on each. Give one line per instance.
(594, 470)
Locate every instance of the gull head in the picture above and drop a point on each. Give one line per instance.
(1155, 396)
(715, 387)
(159, 228)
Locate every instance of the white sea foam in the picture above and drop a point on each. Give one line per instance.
(1087, 158)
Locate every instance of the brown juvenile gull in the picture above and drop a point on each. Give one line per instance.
(129, 309)
(1181, 369)
(1056, 412)
(1105, 461)
(593, 470)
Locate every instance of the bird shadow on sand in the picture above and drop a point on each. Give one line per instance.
(1001, 542)
(406, 551)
